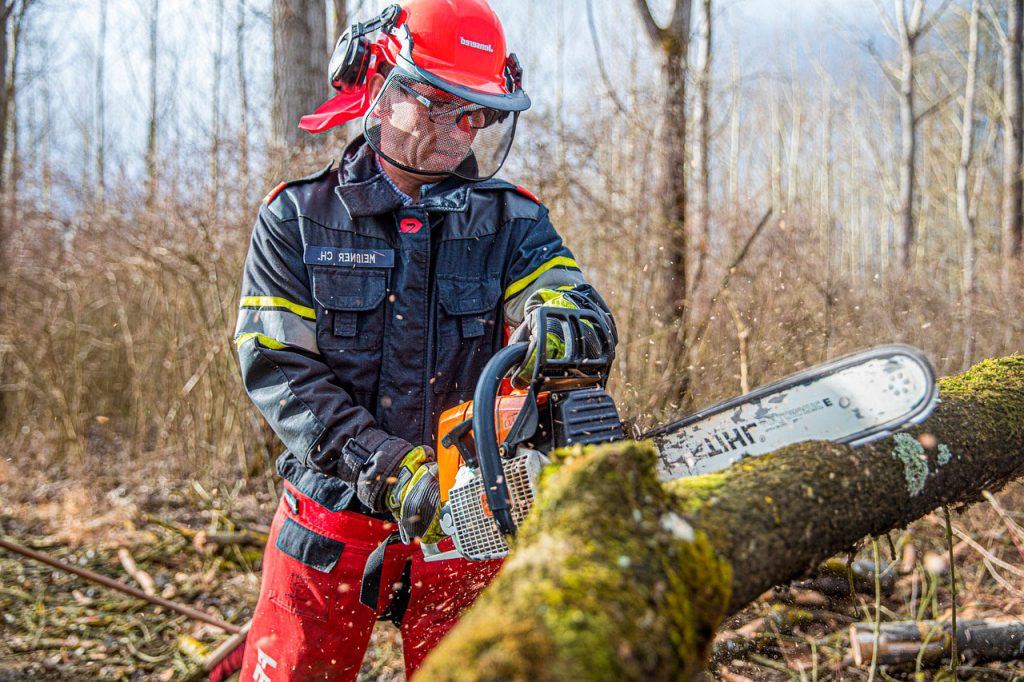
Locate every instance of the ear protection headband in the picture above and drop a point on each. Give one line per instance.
(353, 54)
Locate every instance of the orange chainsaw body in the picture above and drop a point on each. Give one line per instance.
(448, 458)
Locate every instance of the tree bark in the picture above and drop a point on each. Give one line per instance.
(908, 129)
(243, 95)
(672, 42)
(100, 115)
(702, 142)
(963, 204)
(5, 14)
(215, 129)
(9, 158)
(1012, 141)
(300, 66)
(617, 576)
(340, 16)
(906, 31)
(151, 161)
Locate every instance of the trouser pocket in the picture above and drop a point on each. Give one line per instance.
(301, 572)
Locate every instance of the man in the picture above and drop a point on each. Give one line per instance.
(373, 295)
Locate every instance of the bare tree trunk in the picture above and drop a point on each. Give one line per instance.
(340, 16)
(100, 114)
(793, 158)
(1012, 141)
(908, 129)
(775, 146)
(906, 31)
(300, 66)
(218, 63)
(617, 576)
(151, 160)
(962, 198)
(243, 104)
(826, 223)
(14, 160)
(5, 14)
(702, 142)
(733, 180)
(674, 42)
(9, 158)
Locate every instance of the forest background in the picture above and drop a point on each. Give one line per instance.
(755, 187)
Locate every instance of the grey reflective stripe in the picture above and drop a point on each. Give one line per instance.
(292, 420)
(281, 325)
(515, 307)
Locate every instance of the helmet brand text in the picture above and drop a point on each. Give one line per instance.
(486, 47)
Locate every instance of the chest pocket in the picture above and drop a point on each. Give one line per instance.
(468, 329)
(351, 314)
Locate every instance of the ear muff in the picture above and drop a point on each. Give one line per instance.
(350, 61)
(352, 55)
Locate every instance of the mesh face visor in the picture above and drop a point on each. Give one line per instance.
(423, 129)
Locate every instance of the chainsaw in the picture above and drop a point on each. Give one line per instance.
(493, 448)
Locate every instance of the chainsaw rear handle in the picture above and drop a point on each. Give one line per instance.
(485, 434)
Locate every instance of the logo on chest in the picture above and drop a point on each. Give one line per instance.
(410, 225)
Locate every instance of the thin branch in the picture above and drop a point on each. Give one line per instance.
(934, 17)
(987, 554)
(993, 19)
(600, 59)
(886, 23)
(916, 12)
(938, 104)
(887, 70)
(681, 18)
(901, 21)
(654, 32)
(727, 276)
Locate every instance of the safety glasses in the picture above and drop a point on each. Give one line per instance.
(443, 109)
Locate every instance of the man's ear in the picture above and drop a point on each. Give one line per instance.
(375, 85)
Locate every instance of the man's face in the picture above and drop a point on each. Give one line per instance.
(423, 127)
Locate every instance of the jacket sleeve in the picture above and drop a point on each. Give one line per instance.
(541, 261)
(286, 377)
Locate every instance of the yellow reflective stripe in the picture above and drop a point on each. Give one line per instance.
(521, 284)
(265, 340)
(274, 302)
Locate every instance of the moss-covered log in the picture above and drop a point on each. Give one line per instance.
(616, 576)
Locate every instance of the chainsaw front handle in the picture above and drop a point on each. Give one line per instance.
(485, 435)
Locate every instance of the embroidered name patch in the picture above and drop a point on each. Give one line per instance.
(349, 258)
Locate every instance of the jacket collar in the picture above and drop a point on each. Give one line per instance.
(365, 191)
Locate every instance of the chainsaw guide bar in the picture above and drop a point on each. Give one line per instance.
(490, 475)
(853, 400)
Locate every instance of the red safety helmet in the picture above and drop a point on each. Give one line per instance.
(455, 45)
(448, 63)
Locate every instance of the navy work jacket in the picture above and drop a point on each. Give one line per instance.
(362, 318)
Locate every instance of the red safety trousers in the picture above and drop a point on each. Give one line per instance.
(309, 623)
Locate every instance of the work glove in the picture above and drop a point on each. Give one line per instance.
(414, 498)
(553, 336)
